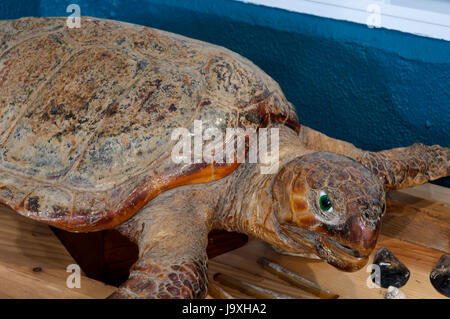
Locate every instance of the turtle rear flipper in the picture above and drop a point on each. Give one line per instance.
(398, 168)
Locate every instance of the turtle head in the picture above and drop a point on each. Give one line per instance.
(331, 205)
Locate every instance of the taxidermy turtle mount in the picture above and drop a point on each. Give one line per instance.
(86, 120)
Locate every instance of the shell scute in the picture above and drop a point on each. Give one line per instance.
(49, 139)
(86, 124)
(21, 76)
(50, 203)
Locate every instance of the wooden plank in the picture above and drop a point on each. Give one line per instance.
(241, 264)
(26, 245)
(415, 229)
(419, 220)
(425, 227)
(228, 265)
(50, 282)
(430, 192)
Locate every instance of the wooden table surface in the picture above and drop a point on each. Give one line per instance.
(416, 228)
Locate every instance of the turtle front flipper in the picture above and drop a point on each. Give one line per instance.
(398, 168)
(172, 237)
(408, 166)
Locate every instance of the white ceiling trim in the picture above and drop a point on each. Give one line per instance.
(376, 13)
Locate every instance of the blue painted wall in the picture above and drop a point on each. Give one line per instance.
(376, 88)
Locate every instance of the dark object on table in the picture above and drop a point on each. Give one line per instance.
(440, 275)
(392, 271)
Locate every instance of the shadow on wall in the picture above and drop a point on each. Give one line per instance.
(375, 88)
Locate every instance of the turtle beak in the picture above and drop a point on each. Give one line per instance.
(348, 250)
(341, 257)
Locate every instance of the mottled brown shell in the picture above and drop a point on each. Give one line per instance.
(86, 115)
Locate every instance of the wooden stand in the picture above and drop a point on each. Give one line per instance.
(107, 255)
(416, 229)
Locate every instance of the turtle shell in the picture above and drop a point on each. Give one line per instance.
(86, 115)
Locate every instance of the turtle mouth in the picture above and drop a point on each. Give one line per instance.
(344, 249)
(336, 254)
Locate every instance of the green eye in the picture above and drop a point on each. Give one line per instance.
(325, 203)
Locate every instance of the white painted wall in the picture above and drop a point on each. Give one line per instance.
(430, 18)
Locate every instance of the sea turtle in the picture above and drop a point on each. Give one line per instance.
(86, 122)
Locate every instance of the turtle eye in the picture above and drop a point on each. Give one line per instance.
(325, 203)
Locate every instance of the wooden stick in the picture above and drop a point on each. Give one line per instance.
(217, 292)
(295, 279)
(248, 288)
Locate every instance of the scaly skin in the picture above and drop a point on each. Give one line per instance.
(397, 168)
(279, 208)
(172, 229)
(88, 152)
(172, 234)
